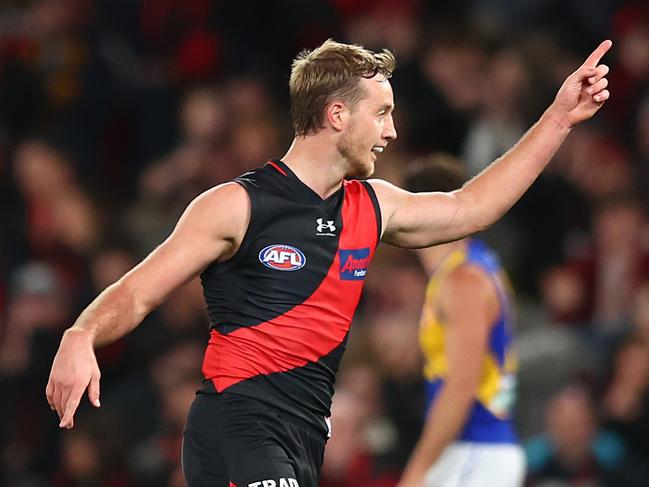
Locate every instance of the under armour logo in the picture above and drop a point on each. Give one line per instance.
(322, 227)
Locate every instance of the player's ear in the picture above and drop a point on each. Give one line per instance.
(336, 115)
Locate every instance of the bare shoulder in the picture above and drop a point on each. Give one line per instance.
(470, 286)
(220, 204)
(470, 279)
(389, 196)
(385, 190)
(221, 213)
(226, 194)
(417, 220)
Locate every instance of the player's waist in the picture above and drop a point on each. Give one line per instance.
(492, 431)
(231, 358)
(482, 424)
(300, 410)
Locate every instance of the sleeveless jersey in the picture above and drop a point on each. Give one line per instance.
(281, 307)
(489, 420)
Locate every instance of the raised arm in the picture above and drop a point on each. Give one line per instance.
(424, 219)
(211, 228)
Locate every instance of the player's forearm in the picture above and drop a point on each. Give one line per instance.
(495, 190)
(443, 425)
(113, 314)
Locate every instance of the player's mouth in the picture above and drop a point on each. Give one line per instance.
(378, 149)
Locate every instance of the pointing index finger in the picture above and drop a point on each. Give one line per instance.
(593, 60)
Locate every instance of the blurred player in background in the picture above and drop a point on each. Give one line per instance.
(466, 339)
(283, 252)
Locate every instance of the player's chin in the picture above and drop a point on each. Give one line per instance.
(361, 169)
(369, 165)
(365, 171)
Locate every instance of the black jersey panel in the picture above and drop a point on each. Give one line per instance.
(308, 330)
(377, 208)
(282, 307)
(287, 251)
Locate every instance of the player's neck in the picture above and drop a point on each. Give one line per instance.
(432, 257)
(315, 161)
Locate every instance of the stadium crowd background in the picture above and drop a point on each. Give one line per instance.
(114, 114)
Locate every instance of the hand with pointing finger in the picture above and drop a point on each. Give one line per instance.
(584, 91)
(74, 370)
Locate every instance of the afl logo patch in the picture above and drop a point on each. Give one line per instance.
(282, 257)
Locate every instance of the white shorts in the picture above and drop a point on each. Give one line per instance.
(465, 464)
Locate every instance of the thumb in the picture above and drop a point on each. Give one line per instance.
(93, 390)
(582, 73)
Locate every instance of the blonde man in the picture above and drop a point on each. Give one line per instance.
(283, 252)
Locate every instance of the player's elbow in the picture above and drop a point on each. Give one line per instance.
(478, 225)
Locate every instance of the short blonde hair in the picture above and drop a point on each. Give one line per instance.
(329, 72)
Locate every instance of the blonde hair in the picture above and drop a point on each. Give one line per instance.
(331, 72)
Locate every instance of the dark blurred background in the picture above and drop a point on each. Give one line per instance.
(114, 114)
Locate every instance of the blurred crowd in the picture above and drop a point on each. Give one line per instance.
(114, 114)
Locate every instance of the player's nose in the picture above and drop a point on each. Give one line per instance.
(389, 131)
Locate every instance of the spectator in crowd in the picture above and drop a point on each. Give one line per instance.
(573, 449)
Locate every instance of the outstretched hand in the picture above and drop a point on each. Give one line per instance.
(74, 370)
(584, 92)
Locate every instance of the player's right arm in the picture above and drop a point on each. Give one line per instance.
(210, 229)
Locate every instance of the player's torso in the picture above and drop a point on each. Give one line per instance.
(281, 307)
(490, 416)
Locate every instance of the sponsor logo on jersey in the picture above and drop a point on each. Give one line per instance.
(354, 263)
(325, 228)
(282, 482)
(282, 257)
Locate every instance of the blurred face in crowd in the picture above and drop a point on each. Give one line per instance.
(395, 339)
(571, 424)
(81, 457)
(633, 50)
(41, 170)
(564, 292)
(617, 226)
(369, 127)
(204, 117)
(633, 367)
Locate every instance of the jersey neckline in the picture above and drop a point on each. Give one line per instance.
(306, 191)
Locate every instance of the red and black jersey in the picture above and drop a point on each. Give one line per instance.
(281, 308)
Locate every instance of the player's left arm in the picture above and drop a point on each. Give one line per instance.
(424, 219)
(469, 304)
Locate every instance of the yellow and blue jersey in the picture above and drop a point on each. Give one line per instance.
(490, 417)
